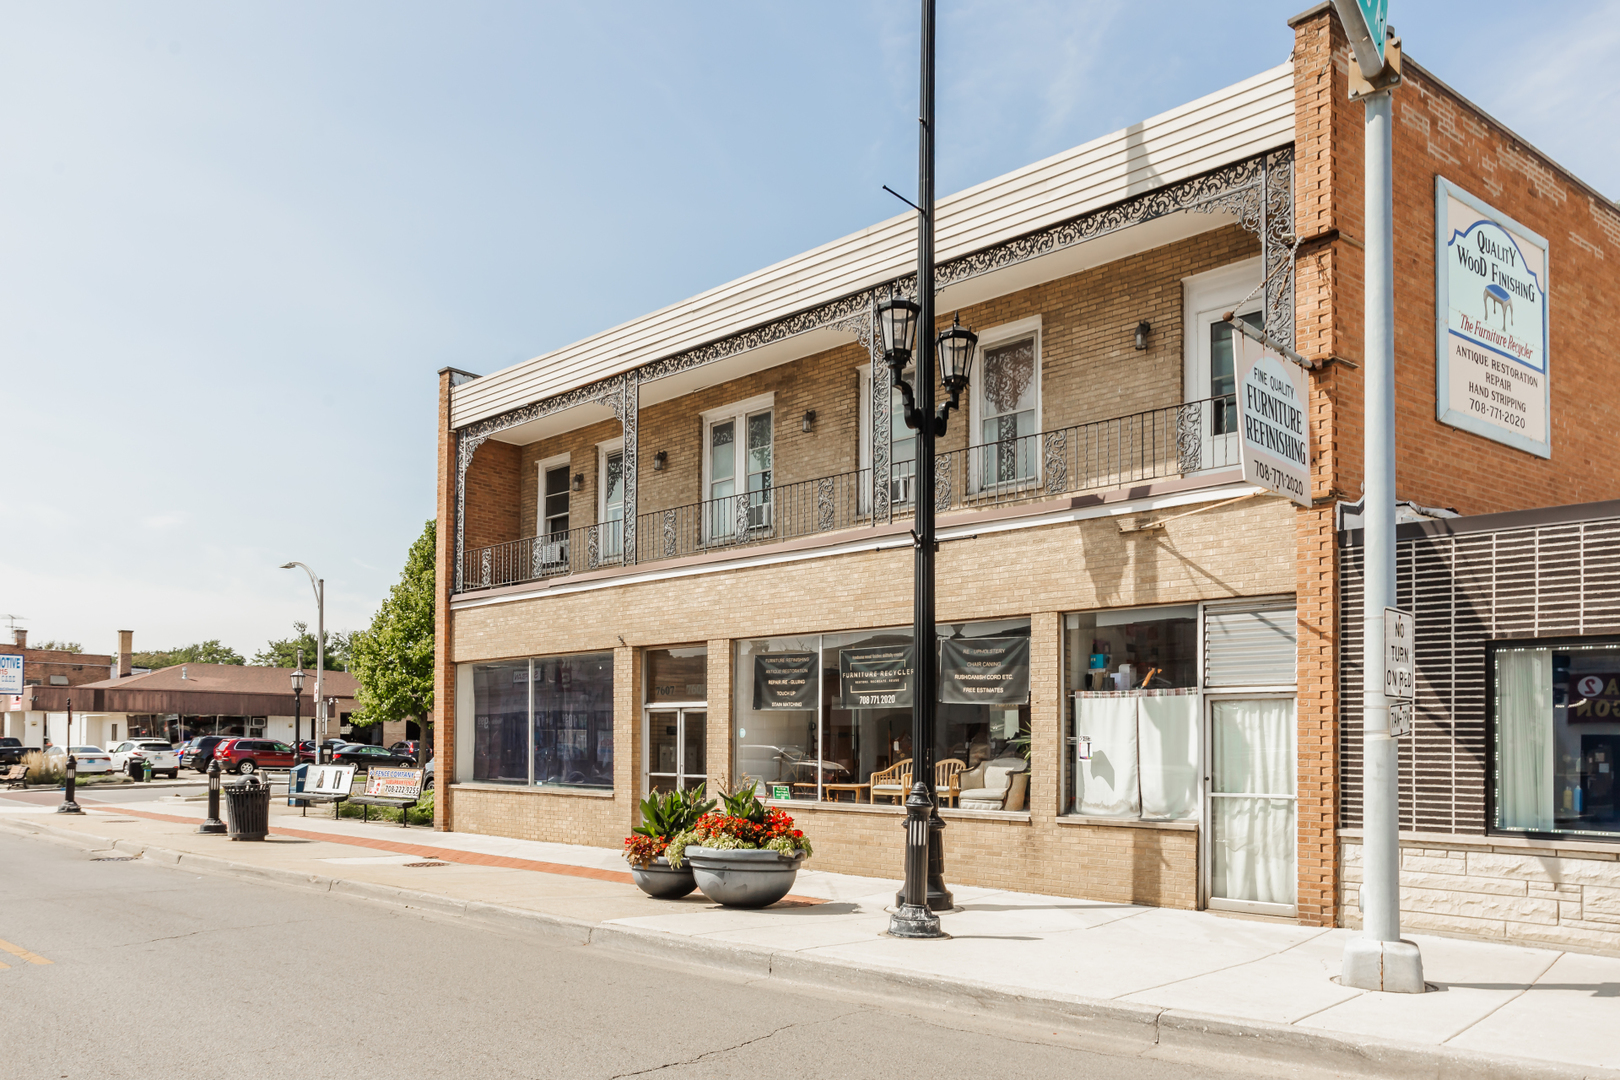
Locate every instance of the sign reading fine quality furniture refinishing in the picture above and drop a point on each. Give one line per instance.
(1272, 395)
(984, 671)
(875, 678)
(1491, 323)
(785, 680)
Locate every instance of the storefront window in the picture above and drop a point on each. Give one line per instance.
(547, 721)
(1557, 720)
(500, 722)
(829, 717)
(1131, 677)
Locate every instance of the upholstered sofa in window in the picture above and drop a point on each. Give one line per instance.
(1002, 784)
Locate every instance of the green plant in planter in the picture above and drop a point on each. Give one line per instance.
(664, 816)
(744, 824)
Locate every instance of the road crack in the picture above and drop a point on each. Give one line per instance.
(729, 1049)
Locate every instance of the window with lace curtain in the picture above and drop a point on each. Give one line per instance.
(1006, 407)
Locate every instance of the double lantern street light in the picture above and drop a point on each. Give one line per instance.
(924, 892)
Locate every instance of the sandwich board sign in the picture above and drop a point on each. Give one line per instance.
(11, 673)
(1273, 421)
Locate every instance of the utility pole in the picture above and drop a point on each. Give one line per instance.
(1378, 959)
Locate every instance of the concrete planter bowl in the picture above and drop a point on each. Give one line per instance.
(743, 879)
(662, 881)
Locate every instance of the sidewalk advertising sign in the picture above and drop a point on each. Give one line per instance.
(394, 783)
(1491, 323)
(1272, 397)
(330, 779)
(875, 678)
(785, 680)
(11, 675)
(1400, 660)
(984, 671)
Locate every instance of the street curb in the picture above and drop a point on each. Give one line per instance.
(1106, 1026)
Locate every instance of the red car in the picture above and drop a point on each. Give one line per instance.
(251, 755)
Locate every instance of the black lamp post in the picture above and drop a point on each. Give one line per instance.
(298, 712)
(924, 892)
(70, 773)
(213, 824)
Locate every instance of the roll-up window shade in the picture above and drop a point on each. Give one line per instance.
(1250, 648)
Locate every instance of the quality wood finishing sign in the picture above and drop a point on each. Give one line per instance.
(1491, 325)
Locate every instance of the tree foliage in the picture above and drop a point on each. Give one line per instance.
(61, 646)
(284, 652)
(211, 651)
(393, 659)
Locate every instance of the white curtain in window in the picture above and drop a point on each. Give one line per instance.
(1167, 738)
(1105, 785)
(1253, 836)
(1524, 739)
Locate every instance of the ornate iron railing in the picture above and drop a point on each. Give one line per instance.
(1177, 440)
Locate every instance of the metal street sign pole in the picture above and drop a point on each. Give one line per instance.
(1378, 959)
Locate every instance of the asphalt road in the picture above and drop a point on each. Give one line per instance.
(155, 972)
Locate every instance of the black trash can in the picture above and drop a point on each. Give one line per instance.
(247, 807)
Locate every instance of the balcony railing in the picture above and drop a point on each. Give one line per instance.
(1178, 440)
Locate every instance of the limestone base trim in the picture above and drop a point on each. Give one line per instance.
(1539, 893)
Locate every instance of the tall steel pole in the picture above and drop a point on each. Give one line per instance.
(924, 892)
(319, 585)
(1378, 959)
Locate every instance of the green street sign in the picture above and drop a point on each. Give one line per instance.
(1365, 21)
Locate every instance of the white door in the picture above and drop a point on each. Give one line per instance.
(1252, 818)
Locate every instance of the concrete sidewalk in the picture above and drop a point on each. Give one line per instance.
(1176, 983)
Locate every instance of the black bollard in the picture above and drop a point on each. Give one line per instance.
(68, 805)
(213, 824)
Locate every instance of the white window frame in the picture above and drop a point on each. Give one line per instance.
(738, 411)
(543, 466)
(989, 339)
(1206, 298)
(603, 449)
(897, 496)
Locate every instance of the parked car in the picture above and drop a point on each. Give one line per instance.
(427, 776)
(200, 751)
(251, 755)
(408, 748)
(11, 751)
(129, 756)
(364, 755)
(86, 759)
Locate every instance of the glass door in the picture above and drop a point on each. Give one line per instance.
(677, 749)
(1252, 804)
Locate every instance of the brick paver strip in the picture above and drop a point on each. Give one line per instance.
(471, 858)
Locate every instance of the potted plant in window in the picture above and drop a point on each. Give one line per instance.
(663, 817)
(743, 855)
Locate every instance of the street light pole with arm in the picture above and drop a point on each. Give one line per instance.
(319, 585)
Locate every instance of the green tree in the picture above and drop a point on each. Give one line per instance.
(284, 652)
(393, 659)
(61, 646)
(211, 651)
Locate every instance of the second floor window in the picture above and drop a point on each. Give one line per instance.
(738, 472)
(554, 508)
(1008, 391)
(612, 508)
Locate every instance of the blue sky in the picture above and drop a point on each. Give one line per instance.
(239, 239)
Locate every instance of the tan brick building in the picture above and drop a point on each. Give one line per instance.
(639, 530)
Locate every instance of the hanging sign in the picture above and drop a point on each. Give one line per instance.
(876, 677)
(11, 673)
(1491, 323)
(1272, 396)
(984, 671)
(785, 680)
(1400, 657)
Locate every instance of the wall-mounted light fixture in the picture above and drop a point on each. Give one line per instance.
(809, 421)
(579, 481)
(1142, 332)
(660, 460)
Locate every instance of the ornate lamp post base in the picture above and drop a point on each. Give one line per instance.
(914, 917)
(213, 824)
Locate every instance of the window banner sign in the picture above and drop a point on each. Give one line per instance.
(785, 680)
(984, 671)
(875, 678)
(1273, 397)
(1491, 323)
(1594, 699)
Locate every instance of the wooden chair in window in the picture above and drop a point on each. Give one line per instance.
(948, 780)
(891, 783)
